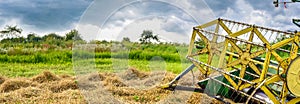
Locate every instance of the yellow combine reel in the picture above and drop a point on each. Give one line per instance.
(249, 63)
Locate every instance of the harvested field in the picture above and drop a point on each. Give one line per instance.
(130, 86)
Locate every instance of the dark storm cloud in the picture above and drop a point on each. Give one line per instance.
(44, 14)
(60, 15)
(219, 6)
(243, 10)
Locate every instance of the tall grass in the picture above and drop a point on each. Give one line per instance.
(28, 60)
(50, 58)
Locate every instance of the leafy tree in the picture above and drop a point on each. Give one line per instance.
(73, 35)
(11, 31)
(52, 36)
(199, 43)
(126, 39)
(53, 40)
(31, 37)
(147, 36)
(18, 40)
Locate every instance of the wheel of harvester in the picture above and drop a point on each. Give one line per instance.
(293, 77)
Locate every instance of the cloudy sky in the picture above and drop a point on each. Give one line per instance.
(172, 20)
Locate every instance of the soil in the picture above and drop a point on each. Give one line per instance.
(131, 86)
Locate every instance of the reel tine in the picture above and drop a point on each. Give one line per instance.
(266, 33)
(232, 26)
(242, 97)
(261, 30)
(271, 35)
(257, 38)
(238, 26)
(277, 36)
(222, 91)
(246, 36)
(235, 97)
(226, 23)
(251, 102)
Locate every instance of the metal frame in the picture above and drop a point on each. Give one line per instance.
(245, 56)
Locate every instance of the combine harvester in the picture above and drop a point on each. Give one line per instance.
(243, 63)
(247, 67)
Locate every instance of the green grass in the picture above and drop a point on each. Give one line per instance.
(30, 69)
(102, 65)
(27, 62)
(23, 61)
(117, 65)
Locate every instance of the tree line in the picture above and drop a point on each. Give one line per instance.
(13, 34)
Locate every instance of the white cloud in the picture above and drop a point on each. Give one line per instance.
(88, 31)
(134, 30)
(278, 18)
(169, 19)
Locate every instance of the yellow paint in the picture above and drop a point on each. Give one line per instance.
(293, 77)
(208, 24)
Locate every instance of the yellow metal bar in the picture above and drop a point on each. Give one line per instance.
(261, 63)
(242, 74)
(283, 64)
(262, 38)
(231, 81)
(257, 62)
(201, 51)
(241, 32)
(238, 49)
(230, 58)
(234, 63)
(222, 56)
(284, 93)
(246, 85)
(203, 38)
(208, 24)
(265, 66)
(225, 27)
(210, 58)
(270, 94)
(233, 54)
(192, 42)
(248, 48)
(295, 48)
(254, 68)
(274, 78)
(255, 54)
(200, 68)
(281, 43)
(215, 37)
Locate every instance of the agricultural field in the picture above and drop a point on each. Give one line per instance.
(45, 72)
(58, 69)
